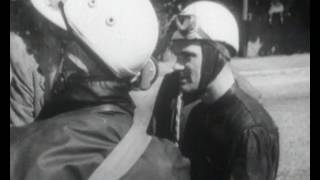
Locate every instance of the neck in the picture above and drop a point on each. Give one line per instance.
(219, 86)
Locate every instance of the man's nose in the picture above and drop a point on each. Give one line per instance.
(178, 67)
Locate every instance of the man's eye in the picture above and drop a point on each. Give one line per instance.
(184, 59)
(182, 56)
(187, 55)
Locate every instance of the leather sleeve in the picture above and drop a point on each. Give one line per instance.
(256, 156)
(161, 160)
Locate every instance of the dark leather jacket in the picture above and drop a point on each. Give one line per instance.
(163, 122)
(87, 122)
(234, 138)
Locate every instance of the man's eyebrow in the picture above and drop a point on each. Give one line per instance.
(186, 53)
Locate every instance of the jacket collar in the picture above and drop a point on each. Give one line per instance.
(74, 95)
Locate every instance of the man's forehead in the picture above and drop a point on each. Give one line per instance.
(182, 44)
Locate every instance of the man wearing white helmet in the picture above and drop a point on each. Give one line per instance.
(91, 129)
(228, 135)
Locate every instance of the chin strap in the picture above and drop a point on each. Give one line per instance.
(179, 106)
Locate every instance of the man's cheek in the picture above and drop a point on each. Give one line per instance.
(196, 80)
(193, 75)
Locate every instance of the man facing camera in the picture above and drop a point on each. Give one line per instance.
(229, 135)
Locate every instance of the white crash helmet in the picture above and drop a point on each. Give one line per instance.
(123, 33)
(207, 20)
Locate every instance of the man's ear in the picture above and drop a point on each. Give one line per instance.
(148, 75)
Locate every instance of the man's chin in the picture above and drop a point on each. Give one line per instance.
(187, 88)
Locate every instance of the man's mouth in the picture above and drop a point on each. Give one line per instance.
(183, 81)
(184, 78)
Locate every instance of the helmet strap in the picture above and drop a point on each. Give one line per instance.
(219, 86)
(212, 64)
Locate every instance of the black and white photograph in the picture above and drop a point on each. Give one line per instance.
(159, 89)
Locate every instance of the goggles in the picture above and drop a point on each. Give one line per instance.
(186, 27)
(185, 23)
